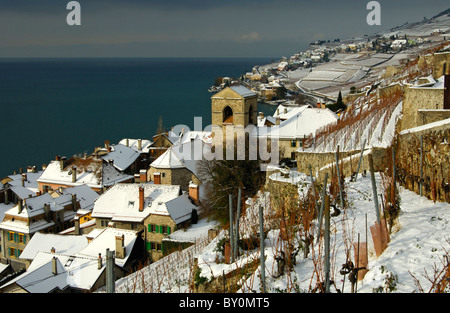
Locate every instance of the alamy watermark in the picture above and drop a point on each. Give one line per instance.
(74, 16)
(374, 16)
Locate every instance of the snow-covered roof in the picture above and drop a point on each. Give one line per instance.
(61, 243)
(30, 182)
(107, 240)
(183, 138)
(77, 260)
(179, 209)
(30, 185)
(168, 159)
(121, 202)
(85, 195)
(121, 156)
(134, 144)
(302, 124)
(91, 172)
(33, 207)
(286, 112)
(262, 121)
(185, 153)
(72, 271)
(243, 91)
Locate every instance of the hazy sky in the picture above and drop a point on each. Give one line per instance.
(192, 28)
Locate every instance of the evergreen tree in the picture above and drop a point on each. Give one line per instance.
(339, 105)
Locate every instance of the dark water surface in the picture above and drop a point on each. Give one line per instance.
(70, 106)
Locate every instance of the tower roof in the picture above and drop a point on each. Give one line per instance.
(235, 92)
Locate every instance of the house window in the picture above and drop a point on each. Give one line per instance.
(11, 236)
(293, 143)
(158, 247)
(14, 253)
(22, 239)
(159, 229)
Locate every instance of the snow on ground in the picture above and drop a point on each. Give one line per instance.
(418, 242)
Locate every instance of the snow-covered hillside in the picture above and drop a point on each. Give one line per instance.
(419, 241)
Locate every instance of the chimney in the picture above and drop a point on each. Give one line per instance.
(277, 120)
(62, 162)
(52, 250)
(74, 174)
(74, 202)
(120, 249)
(127, 141)
(141, 198)
(261, 115)
(20, 206)
(194, 193)
(107, 144)
(100, 262)
(143, 176)
(54, 266)
(77, 226)
(44, 167)
(139, 144)
(447, 92)
(24, 179)
(47, 212)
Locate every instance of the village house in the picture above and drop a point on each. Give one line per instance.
(86, 197)
(19, 186)
(178, 165)
(42, 213)
(150, 209)
(161, 142)
(76, 171)
(267, 121)
(293, 132)
(74, 264)
(125, 159)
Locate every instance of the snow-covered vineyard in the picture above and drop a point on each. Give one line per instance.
(416, 254)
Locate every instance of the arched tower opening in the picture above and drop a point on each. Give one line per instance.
(227, 115)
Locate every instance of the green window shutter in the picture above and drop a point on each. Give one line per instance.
(149, 228)
(149, 245)
(157, 228)
(168, 230)
(16, 237)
